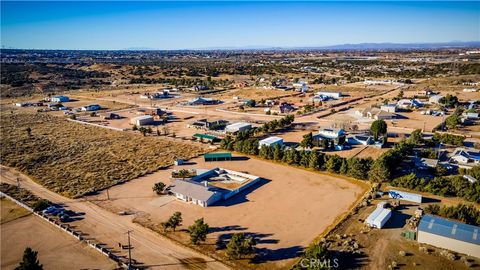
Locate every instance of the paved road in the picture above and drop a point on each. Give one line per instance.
(150, 248)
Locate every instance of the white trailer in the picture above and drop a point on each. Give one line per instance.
(378, 217)
(406, 196)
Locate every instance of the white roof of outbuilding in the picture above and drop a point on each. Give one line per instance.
(142, 117)
(270, 140)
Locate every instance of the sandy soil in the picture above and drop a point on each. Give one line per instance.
(109, 228)
(287, 198)
(56, 249)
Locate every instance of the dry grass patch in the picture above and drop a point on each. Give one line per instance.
(11, 211)
(73, 159)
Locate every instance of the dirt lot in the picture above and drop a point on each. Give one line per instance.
(285, 198)
(56, 249)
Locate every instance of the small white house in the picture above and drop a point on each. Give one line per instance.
(391, 108)
(270, 141)
(335, 95)
(331, 133)
(238, 127)
(142, 120)
(91, 107)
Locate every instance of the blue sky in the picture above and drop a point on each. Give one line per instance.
(180, 25)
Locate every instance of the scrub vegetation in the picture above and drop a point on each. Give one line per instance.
(74, 159)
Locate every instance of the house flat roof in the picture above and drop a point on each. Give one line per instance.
(449, 228)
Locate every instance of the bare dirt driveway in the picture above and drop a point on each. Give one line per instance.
(150, 249)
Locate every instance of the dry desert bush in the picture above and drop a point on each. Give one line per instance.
(74, 159)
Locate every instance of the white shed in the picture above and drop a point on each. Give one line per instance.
(142, 120)
(238, 127)
(270, 141)
(378, 217)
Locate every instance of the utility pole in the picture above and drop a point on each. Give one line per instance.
(129, 250)
(108, 195)
(18, 182)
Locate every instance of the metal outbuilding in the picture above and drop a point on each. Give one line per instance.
(448, 234)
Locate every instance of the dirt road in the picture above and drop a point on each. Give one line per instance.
(149, 248)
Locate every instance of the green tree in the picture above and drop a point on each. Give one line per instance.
(173, 222)
(344, 167)
(313, 161)
(240, 246)
(158, 187)
(379, 171)
(416, 137)
(134, 128)
(277, 152)
(378, 128)
(198, 231)
(29, 261)
(307, 141)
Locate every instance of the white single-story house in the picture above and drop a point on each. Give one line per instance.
(91, 107)
(376, 114)
(331, 133)
(391, 108)
(465, 156)
(142, 120)
(270, 141)
(210, 186)
(237, 127)
(408, 103)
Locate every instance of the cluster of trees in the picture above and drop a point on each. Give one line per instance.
(446, 186)
(276, 124)
(449, 101)
(446, 138)
(386, 165)
(451, 122)
(244, 142)
(466, 213)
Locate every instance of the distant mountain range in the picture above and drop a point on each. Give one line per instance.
(361, 46)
